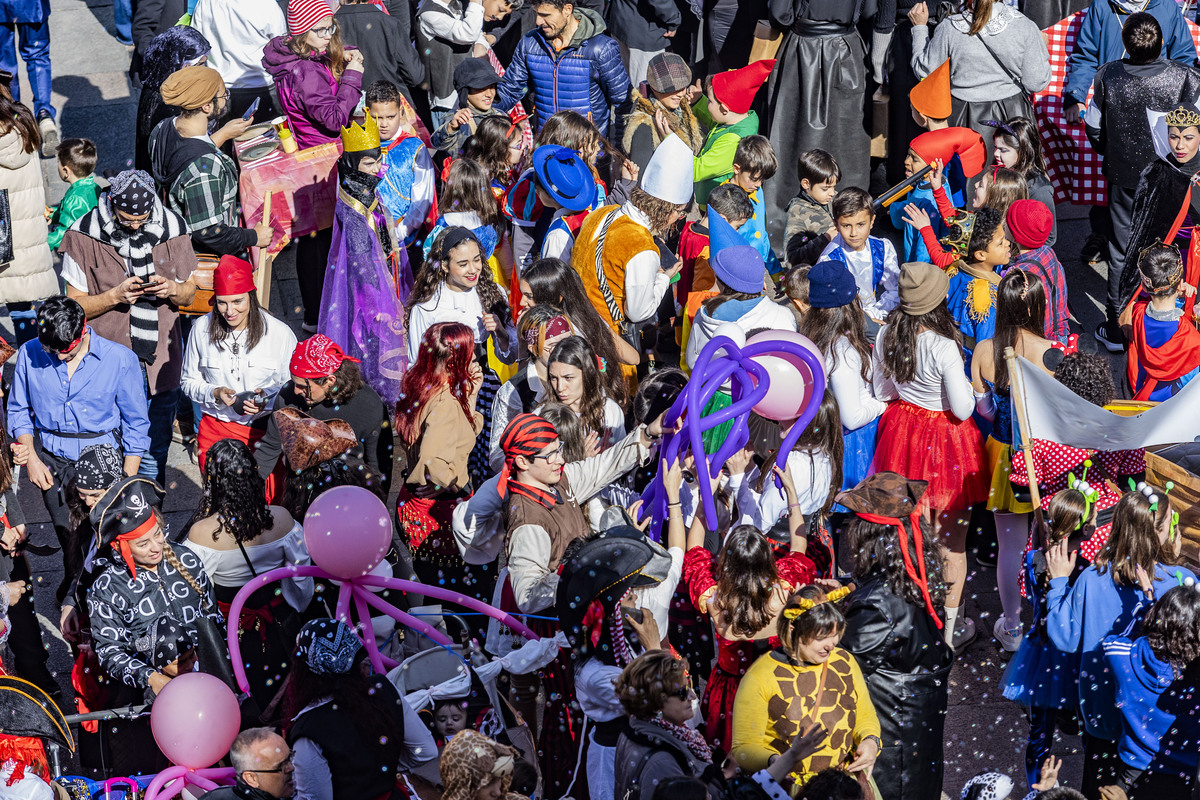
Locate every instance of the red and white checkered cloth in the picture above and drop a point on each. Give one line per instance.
(1073, 166)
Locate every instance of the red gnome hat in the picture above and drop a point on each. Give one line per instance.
(736, 88)
(946, 143)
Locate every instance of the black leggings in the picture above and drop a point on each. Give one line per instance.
(312, 256)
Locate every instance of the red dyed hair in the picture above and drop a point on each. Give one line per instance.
(444, 360)
(28, 753)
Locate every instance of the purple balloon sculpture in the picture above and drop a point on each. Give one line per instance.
(722, 361)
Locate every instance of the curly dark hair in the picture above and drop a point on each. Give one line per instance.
(833, 783)
(432, 274)
(302, 488)
(1172, 626)
(878, 546)
(347, 381)
(234, 492)
(1088, 376)
(659, 211)
(987, 220)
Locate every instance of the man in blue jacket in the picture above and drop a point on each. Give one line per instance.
(1099, 42)
(569, 64)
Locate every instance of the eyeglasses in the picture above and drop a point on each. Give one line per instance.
(284, 766)
(556, 453)
(683, 692)
(325, 33)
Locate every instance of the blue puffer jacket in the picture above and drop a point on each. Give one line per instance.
(586, 76)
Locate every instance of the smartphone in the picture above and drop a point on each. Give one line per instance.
(253, 107)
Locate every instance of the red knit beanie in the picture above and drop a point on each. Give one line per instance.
(1030, 223)
(303, 15)
(736, 88)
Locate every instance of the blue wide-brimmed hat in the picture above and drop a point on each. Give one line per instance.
(735, 263)
(564, 176)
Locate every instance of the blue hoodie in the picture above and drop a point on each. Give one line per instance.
(1162, 714)
(1079, 617)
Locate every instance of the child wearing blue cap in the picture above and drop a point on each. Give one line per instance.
(564, 184)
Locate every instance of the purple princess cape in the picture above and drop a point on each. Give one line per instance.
(359, 307)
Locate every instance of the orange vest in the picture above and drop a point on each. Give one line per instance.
(624, 240)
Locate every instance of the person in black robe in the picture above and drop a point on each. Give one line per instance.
(812, 108)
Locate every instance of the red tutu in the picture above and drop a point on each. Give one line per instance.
(937, 447)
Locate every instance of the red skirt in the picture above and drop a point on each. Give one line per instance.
(937, 447)
(213, 430)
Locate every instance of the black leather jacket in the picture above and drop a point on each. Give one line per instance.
(906, 663)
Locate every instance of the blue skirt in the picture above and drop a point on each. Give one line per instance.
(857, 452)
(1042, 676)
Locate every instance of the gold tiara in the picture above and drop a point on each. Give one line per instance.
(1183, 117)
(804, 604)
(958, 239)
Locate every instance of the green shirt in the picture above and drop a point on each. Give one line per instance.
(714, 165)
(81, 197)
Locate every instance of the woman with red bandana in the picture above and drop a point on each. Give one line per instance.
(233, 366)
(142, 580)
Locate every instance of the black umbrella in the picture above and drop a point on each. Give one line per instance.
(25, 710)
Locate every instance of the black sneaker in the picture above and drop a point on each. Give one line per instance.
(1111, 337)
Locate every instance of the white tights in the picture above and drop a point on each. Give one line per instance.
(1012, 534)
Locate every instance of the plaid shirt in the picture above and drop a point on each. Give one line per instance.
(1044, 263)
(205, 193)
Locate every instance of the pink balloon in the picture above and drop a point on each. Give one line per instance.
(347, 531)
(791, 378)
(195, 719)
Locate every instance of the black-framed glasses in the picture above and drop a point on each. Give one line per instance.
(555, 453)
(683, 692)
(325, 33)
(284, 766)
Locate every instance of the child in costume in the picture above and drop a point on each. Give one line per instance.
(932, 106)
(406, 183)
(735, 207)
(974, 278)
(565, 186)
(754, 163)
(1029, 224)
(725, 112)
(1164, 345)
(810, 213)
(360, 304)
(934, 148)
(871, 260)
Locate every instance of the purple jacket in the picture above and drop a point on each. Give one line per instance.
(316, 104)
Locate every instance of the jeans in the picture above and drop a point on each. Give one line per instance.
(35, 52)
(162, 418)
(123, 20)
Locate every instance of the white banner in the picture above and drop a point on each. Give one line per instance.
(1055, 413)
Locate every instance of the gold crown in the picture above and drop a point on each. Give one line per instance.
(804, 604)
(959, 238)
(357, 137)
(1183, 117)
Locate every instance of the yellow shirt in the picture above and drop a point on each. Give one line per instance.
(775, 699)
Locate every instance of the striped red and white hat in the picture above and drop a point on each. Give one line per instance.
(303, 15)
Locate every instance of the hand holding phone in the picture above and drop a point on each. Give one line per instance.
(253, 107)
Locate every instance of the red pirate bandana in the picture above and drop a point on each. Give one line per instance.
(525, 436)
(317, 357)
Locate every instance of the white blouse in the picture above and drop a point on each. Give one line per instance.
(941, 382)
(229, 568)
(812, 473)
(447, 305)
(856, 402)
(507, 405)
(207, 368)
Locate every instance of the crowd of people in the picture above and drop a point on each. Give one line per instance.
(547, 220)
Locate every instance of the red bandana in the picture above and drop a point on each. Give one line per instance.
(526, 436)
(121, 543)
(917, 575)
(317, 357)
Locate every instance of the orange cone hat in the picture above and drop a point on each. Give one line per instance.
(931, 96)
(736, 88)
(943, 145)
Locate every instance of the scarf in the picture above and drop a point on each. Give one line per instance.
(1165, 364)
(137, 249)
(692, 738)
(916, 574)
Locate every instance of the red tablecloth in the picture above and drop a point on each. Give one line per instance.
(1074, 167)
